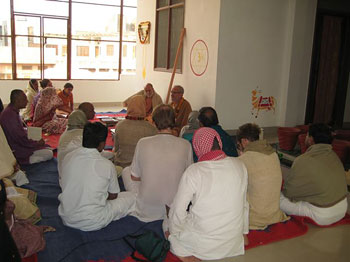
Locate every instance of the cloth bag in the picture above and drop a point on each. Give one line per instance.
(150, 246)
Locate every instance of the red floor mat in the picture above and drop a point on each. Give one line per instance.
(292, 228)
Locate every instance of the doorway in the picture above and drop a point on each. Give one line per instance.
(329, 76)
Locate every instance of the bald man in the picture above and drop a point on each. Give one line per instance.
(152, 99)
(181, 106)
(26, 151)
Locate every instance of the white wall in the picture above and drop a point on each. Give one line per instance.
(201, 22)
(299, 57)
(262, 43)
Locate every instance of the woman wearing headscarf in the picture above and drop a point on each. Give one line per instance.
(216, 186)
(45, 112)
(31, 91)
(129, 131)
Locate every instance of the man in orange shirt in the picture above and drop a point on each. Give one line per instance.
(67, 97)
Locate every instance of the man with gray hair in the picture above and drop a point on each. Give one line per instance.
(181, 107)
(152, 99)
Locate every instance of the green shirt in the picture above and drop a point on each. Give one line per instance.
(317, 177)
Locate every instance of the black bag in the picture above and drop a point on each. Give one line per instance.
(149, 245)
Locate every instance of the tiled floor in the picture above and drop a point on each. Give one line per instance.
(317, 245)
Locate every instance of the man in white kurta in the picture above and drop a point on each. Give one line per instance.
(158, 164)
(88, 180)
(213, 227)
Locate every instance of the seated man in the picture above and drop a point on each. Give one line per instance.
(25, 150)
(264, 178)
(316, 186)
(152, 99)
(216, 186)
(158, 164)
(89, 198)
(181, 106)
(208, 118)
(72, 138)
(129, 131)
(66, 96)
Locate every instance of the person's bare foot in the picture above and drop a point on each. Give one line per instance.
(189, 259)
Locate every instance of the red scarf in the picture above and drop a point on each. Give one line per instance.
(203, 140)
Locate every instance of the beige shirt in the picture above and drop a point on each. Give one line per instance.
(264, 185)
(159, 161)
(127, 134)
(7, 159)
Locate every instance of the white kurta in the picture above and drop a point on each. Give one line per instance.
(69, 141)
(219, 215)
(159, 161)
(87, 177)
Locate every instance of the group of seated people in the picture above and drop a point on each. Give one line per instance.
(42, 105)
(180, 166)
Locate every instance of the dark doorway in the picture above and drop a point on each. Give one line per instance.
(330, 68)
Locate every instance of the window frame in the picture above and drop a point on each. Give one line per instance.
(69, 38)
(168, 7)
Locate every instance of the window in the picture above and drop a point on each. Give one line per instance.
(66, 39)
(125, 50)
(169, 23)
(82, 51)
(97, 51)
(110, 50)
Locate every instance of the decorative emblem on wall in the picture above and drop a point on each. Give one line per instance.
(199, 57)
(259, 102)
(144, 30)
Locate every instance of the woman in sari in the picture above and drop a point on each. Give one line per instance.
(45, 112)
(31, 91)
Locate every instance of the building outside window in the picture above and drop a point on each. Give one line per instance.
(67, 39)
(169, 23)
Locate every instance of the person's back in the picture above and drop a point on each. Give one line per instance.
(160, 163)
(264, 178)
(90, 197)
(316, 186)
(130, 131)
(216, 186)
(84, 193)
(317, 176)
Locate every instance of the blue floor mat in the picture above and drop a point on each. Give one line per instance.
(72, 245)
